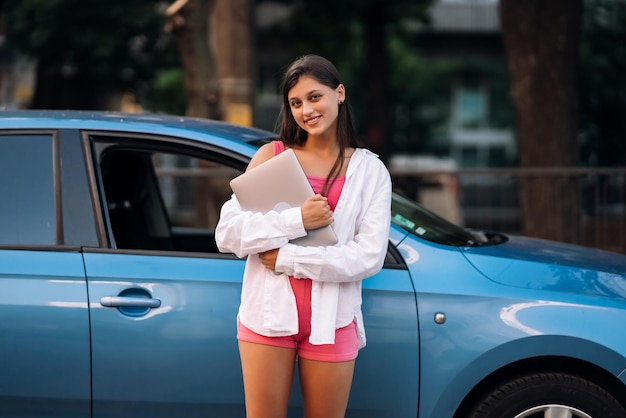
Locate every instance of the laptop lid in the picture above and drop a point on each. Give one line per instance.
(278, 184)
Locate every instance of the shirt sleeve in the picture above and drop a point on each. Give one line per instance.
(359, 258)
(243, 232)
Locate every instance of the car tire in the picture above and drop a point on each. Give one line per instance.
(548, 394)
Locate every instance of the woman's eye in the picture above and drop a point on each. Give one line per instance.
(316, 97)
(294, 104)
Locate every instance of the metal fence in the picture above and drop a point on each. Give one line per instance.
(489, 199)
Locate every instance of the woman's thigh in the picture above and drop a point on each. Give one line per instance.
(325, 387)
(267, 378)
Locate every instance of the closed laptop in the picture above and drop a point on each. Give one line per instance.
(278, 184)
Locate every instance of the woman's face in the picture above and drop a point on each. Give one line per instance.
(315, 106)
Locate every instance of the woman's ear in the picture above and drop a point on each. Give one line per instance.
(341, 93)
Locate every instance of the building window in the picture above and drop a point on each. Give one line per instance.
(469, 106)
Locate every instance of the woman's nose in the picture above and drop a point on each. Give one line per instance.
(307, 109)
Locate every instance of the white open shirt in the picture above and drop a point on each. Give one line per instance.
(362, 219)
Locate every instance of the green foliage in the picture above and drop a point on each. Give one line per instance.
(166, 93)
(421, 91)
(115, 43)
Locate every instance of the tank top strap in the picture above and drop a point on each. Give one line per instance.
(279, 146)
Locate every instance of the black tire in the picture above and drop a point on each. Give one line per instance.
(536, 395)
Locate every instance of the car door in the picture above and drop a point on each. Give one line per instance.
(163, 335)
(44, 317)
(163, 300)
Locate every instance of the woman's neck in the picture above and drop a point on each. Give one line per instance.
(322, 146)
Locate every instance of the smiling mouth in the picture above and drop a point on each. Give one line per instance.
(312, 121)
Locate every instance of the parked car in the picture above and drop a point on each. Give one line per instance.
(114, 301)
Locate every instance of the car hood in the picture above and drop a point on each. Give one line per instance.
(539, 264)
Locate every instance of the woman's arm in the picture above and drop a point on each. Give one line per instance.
(243, 232)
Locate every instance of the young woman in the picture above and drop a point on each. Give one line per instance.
(304, 303)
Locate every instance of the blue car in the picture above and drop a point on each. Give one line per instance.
(114, 301)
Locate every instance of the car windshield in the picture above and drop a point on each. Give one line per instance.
(425, 224)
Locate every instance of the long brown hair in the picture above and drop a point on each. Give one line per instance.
(291, 134)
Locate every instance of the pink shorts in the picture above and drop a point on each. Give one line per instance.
(345, 348)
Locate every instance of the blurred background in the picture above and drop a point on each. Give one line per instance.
(503, 115)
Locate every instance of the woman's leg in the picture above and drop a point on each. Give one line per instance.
(267, 379)
(325, 387)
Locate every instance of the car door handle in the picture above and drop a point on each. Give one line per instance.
(129, 301)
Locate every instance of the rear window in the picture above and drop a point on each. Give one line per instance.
(27, 209)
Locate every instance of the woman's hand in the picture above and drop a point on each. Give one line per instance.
(316, 212)
(268, 258)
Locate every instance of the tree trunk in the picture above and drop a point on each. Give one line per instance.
(541, 40)
(232, 44)
(189, 21)
(376, 82)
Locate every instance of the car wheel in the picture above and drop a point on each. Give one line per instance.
(548, 395)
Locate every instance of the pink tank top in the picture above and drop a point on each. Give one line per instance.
(317, 183)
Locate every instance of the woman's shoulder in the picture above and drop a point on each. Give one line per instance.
(369, 161)
(264, 153)
(366, 155)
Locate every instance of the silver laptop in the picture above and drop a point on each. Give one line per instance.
(278, 184)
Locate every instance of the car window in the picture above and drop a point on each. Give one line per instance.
(27, 205)
(158, 200)
(193, 189)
